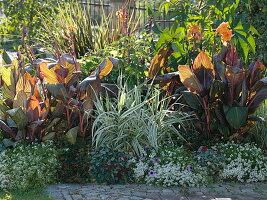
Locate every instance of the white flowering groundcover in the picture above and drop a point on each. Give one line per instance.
(175, 167)
(27, 166)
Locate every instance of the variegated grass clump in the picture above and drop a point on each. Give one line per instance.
(135, 120)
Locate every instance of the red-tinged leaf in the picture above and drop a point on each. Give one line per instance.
(69, 62)
(231, 56)
(7, 129)
(255, 73)
(46, 109)
(204, 70)
(62, 73)
(234, 76)
(159, 62)
(189, 79)
(260, 97)
(34, 109)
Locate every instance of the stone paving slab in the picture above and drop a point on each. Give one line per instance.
(226, 191)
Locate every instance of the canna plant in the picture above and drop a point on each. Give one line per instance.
(72, 99)
(220, 91)
(51, 102)
(22, 107)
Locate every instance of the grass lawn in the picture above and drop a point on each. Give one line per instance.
(34, 194)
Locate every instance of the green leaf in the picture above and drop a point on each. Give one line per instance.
(252, 43)
(236, 116)
(149, 10)
(8, 142)
(165, 6)
(49, 137)
(252, 29)
(18, 116)
(245, 47)
(156, 29)
(71, 135)
(6, 60)
(192, 100)
(58, 90)
(216, 89)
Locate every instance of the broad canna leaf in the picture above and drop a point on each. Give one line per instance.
(258, 98)
(189, 79)
(105, 67)
(7, 93)
(255, 73)
(257, 86)
(204, 70)
(58, 91)
(216, 89)
(25, 84)
(61, 74)
(5, 57)
(71, 135)
(20, 100)
(68, 62)
(192, 100)
(49, 74)
(236, 116)
(34, 109)
(18, 116)
(7, 129)
(231, 56)
(7, 76)
(234, 77)
(159, 62)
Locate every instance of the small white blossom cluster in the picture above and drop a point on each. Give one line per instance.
(169, 168)
(174, 174)
(24, 167)
(244, 163)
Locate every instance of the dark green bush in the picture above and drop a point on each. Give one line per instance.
(75, 164)
(110, 166)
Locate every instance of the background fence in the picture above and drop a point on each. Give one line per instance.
(138, 7)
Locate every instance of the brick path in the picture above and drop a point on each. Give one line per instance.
(226, 191)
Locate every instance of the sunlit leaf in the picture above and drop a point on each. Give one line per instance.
(189, 79)
(49, 74)
(204, 70)
(20, 100)
(7, 75)
(159, 62)
(34, 109)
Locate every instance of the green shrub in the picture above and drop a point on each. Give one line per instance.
(243, 162)
(28, 166)
(74, 164)
(211, 159)
(19, 13)
(110, 166)
(134, 53)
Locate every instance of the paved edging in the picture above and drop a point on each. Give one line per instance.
(226, 191)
